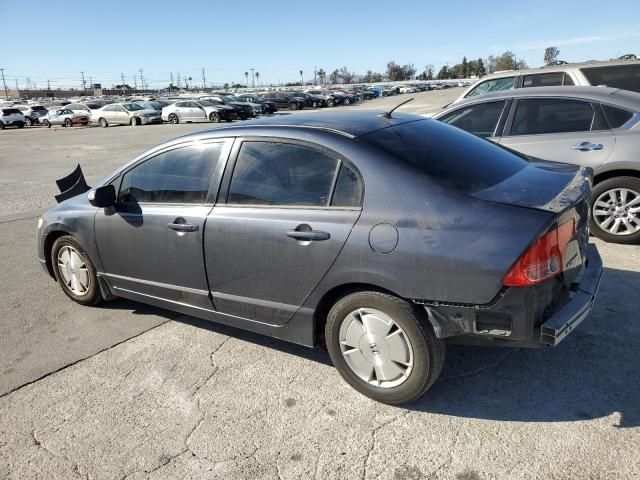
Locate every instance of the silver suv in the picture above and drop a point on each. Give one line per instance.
(11, 117)
(589, 126)
(622, 73)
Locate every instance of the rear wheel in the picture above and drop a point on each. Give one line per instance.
(214, 117)
(74, 271)
(383, 346)
(103, 123)
(615, 212)
(68, 122)
(293, 106)
(173, 118)
(347, 101)
(46, 123)
(28, 121)
(135, 121)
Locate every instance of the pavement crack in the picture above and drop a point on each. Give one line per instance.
(374, 440)
(75, 467)
(482, 369)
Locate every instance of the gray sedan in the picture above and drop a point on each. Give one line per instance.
(594, 127)
(382, 237)
(125, 114)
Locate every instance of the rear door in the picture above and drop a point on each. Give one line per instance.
(150, 244)
(559, 129)
(285, 212)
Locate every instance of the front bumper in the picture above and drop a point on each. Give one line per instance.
(554, 330)
(147, 120)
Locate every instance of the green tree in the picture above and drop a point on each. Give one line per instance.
(464, 68)
(443, 73)
(334, 76)
(480, 70)
(321, 75)
(346, 75)
(551, 55)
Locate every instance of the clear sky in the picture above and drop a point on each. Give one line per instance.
(56, 40)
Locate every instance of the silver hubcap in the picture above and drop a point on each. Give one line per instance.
(73, 270)
(617, 211)
(375, 347)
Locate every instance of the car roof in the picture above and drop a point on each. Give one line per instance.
(563, 67)
(615, 96)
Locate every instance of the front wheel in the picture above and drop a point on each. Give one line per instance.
(293, 106)
(135, 121)
(74, 271)
(214, 117)
(383, 346)
(46, 123)
(615, 212)
(28, 121)
(68, 122)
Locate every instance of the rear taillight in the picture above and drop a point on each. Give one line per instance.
(544, 259)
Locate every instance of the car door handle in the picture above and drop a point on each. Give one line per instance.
(183, 227)
(587, 146)
(313, 235)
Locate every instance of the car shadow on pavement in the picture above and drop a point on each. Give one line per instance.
(593, 373)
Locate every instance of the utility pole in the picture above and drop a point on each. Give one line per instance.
(17, 88)
(6, 92)
(315, 73)
(48, 85)
(171, 83)
(135, 81)
(84, 83)
(204, 80)
(253, 78)
(122, 78)
(141, 79)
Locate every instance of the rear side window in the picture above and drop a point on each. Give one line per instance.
(552, 115)
(481, 119)
(616, 117)
(348, 191)
(547, 80)
(273, 173)
(450, 157)
(493, 85)
(182, 175)
(626, 77)
(10, 111)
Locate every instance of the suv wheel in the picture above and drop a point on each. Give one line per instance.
(383, 346)
(615, 212)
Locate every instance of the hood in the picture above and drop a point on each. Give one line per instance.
(542, 185)
(146, 112)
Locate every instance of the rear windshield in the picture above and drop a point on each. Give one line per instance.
(448, 155)
(626, 77)
(10, 111)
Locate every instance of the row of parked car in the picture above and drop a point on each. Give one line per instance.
(212, 107)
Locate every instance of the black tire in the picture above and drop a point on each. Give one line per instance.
(92, 295)
(135, 121)
(214, 117)
(173, 119)
(68, 122)
(600, 190)
(46, 123)
(1, 125)
(103, 123)
(28, 121)
(20, 124)
(428, 350)
(293, 106)
(315, 104)
(347, 101)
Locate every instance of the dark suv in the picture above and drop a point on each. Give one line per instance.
(284, 100)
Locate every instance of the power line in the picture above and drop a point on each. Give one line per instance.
(6, 91)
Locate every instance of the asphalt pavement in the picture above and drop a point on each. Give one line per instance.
(129, 391)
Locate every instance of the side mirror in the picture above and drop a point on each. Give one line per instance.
(102, 197)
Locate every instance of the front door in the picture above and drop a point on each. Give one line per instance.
(281, 228)
(562, 130)
(150, 244)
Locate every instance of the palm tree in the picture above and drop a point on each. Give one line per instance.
(246, 75)
(258, 78)
(189, 82)
(334, 76)
(321, 75)
(301, 79)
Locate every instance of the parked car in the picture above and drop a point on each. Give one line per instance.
(32, 113)
(86, 108)
(624, 74)
(267, 105)
(198, 111)
(343, 97)
(324, 98)
(64, 116)
(284, 100)
(473, 251)
(125, 114)
(383, 90)
(245, 110)
(366, 92)
(311, 100)
(406, 89)
(11, 117)
(157, 105)
(595, 127)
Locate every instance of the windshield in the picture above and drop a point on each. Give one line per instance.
(451, 157)
(231, 99)
(132, 107)
(205, 103)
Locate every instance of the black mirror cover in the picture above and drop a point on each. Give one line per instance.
(103, 197)
(71, 185)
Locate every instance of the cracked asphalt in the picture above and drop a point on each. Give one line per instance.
(129, 391)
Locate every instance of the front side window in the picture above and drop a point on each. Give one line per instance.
(552, 79)
(537, 116)
(273, 173)
(626, 77)
(493, 85)
(481, 119)
(182, 175)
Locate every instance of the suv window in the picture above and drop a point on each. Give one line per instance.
(492, 85)
(552, 115)
(463, 162)
(616, 117)
(626, 77)
(481, 119)
(182, 175)
(273, 173)
(552, 79)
